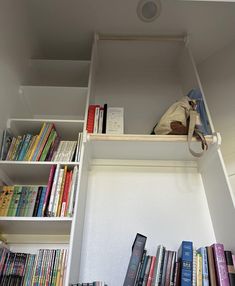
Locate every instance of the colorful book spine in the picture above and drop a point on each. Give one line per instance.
(205, 271)
(199, 269)
(37, 141)
(53, 191)
(147, 269)
(58, 211)
(42, 198)
(230, 267)
(220, 264)
(151, 271)
(185, 255)
(48, 191)
(211, 264)
(64, 204)
(72, 192)
(135, 260)
(25, 146)
(49, 143)
(159, 264)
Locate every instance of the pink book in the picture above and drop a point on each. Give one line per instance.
(220, 265)
(151, 271)
(48, 191)
(233, 256)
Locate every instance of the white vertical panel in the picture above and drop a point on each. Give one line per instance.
(220, 199)
(167, 204)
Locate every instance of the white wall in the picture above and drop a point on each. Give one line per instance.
(15, 50)
(217, 74)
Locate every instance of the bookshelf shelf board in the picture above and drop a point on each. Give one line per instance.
(54, 101)
(58, 72)
(35, 225)
(143, 147)
(28, 172)
(67, 129)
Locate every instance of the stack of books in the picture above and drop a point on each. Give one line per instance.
(45, 146)
(48, 267)
(95, 283)
(57, 199)
(104, 119)
(205, 266)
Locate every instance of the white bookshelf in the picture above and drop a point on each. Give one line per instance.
(127, 183)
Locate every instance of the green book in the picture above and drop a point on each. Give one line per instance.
(50, 141)
(15, 202)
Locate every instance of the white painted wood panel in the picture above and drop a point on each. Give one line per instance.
(168, 205)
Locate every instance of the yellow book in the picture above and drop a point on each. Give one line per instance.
(36, 142)
(199, 269)
(26, 157)
(6, 199)
(61, 192)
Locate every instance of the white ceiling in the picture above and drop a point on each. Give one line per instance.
(64, 28)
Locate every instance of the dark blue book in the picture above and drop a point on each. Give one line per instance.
(40, 206)
(185, 256)
(135, 259)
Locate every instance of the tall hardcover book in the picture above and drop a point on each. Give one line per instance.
(159, 264)
(211, 264)
(205, 271)
(185, 255)
(199, 269)
(230, 267)
(135, 259)
(220, 265)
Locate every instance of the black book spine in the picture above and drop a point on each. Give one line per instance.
(230, 266)
(35, 210)
(140, 268)
(104, 118)
(136, 257)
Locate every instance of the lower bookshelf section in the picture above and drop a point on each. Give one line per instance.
(167, 204)
(40, 226)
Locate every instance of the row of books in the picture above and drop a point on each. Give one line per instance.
(95, 283)
(22, 200)
(104, 119)
(45, 146)
(57, 199)
(206, 266)
(48, 267)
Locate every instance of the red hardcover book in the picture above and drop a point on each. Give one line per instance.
(65, 193)
(151, 271)
(91, 118)
(220, 265)
(48, 191)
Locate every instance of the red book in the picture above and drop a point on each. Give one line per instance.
(91, 118)
(220, 265)
(65, 193)
(151, 271)
(48, 191)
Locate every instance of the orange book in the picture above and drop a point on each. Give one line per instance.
(6, 197)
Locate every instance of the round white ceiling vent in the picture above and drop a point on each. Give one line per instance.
(148, 10)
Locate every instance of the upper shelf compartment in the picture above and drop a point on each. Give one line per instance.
(145, 147)
(55, 102)
(58, 73)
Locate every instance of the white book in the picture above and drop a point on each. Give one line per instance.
(194, 268)
(115, 120)
(53, 191)
(57, 193)
(79, 146)
(73, 147)
(96, 120)
(58, 152)
(72, 193)
(101, 117)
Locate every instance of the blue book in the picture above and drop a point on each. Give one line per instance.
(24, 147)
(185, 255)
(42, 198)
(22, 200)
(205, 271)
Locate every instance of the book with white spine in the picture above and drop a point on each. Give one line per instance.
(53, 191)
(72, 193)
(57, 192)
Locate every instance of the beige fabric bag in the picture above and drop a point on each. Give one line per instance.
(181, 118)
